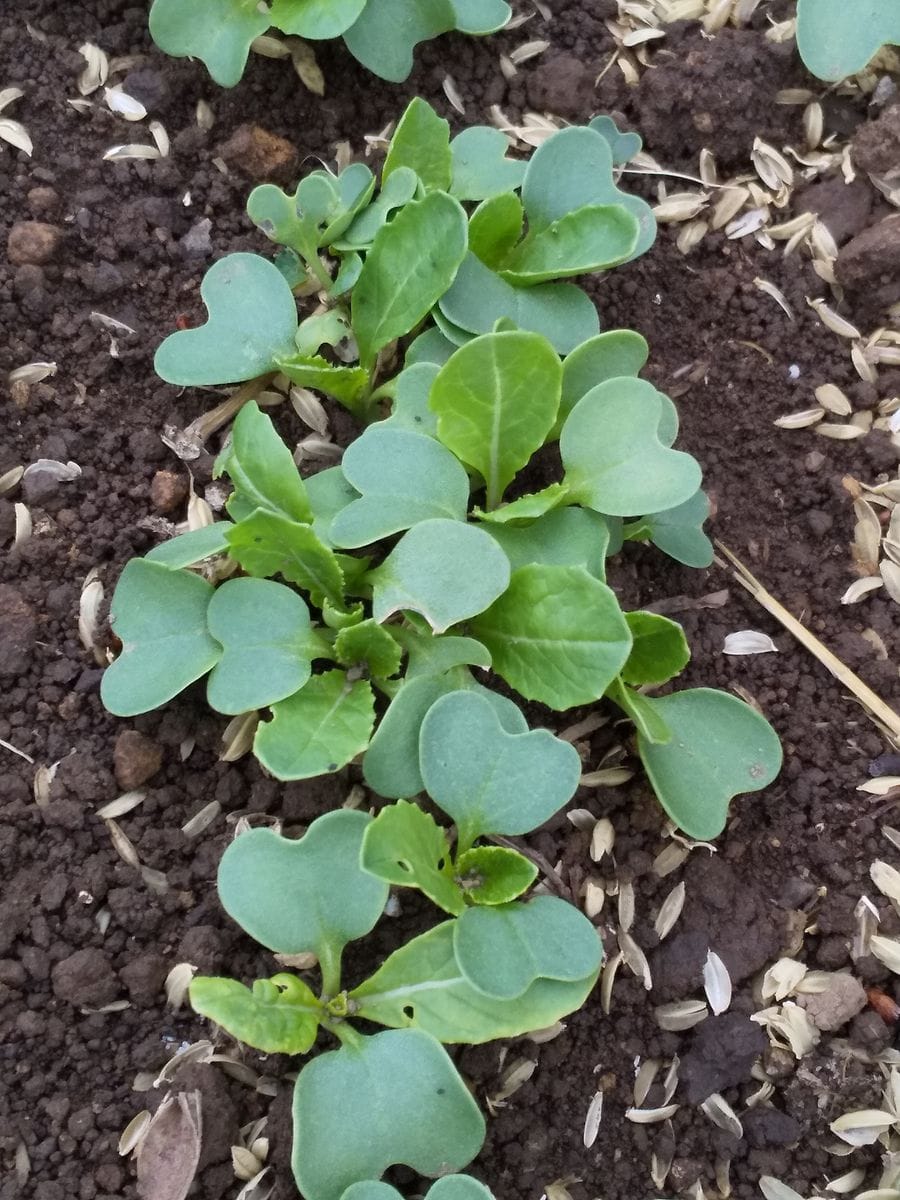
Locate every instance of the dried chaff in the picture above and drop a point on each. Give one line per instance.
(887, 879)
(131, 1135)
(607, 979)
(626, 906)
(650, 1116)
(782, 979)
(833, 321)
(593, 1119)
(670, 911)
(96, 72)
(123, 804)
(860, 588)
(716, 983)
(862, 1128)
(800, 420)
(748, 641)
(680, 1015)
(669, 859)
(886, 950)
(832, 398)
(643, 1080)
(603, 838)
(776, 293)
(793, 1024)
(201, 820)
(178, 981)
(635, 958)
(720, 1112)
(169, 1151)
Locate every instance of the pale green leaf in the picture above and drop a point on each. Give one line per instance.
(370, 645)
(494, 874)
(262, 469)
(278, 1015)
(421, 142)
(267, 544)
(405, 846)
(190, 548)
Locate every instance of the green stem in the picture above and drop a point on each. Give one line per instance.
(330, 966)
(346, 1034)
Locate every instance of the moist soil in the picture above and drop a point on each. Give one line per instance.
(82, 930)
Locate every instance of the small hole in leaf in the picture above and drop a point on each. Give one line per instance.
(441, 1091)
(409, 1012)
(442, 862)
(404, 866)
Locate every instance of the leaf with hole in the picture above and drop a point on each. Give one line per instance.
(160, 617)
(494, 874)
(278, 1015)
(392, 1098)
(405, 846)
(489, 780)
(252, 319)
(318, 730)
(263, 660)
(262, 469)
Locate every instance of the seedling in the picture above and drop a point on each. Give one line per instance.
(381, 34)
(836, 39)
(500, 967)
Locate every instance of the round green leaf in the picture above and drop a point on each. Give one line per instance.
(836, 39)
(678, 532)
(315, 19)
(659, 650)
(317, 730)
(445, 570)
(502, 951)
(393, 1098)
(609, 355)
(720, 747)
(252, 322)
(160, 617)
(403, 478)
(494, 874)
(496, 401)
(218, 32)
(488, 780)
(556, 635)
(614, 459)
(263, 628)
(304, 896)
(405, 846)
(278, 1015)
(563, 537)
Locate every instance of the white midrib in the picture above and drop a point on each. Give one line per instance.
(410, 989)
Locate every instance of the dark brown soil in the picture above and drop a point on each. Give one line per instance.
(80, 928)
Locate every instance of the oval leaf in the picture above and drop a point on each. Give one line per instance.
(659, 650)
(405, 846)
(494, 874)
(278, 1015)
(262, 469)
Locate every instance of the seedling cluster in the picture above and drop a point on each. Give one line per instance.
(509, 447)
(381, 34)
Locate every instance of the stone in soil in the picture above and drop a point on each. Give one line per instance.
(870, 262)
(18, 632)
(259, 154)
(561, 84)
(876, 147)
(845, 208)
(33, 242)
(832, 1008)
(85, 978)
(135, 758)
(168, 491)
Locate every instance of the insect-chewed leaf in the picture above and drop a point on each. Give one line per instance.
(263, 629)
(348, 385)
(317, 730)
(479, 298)
(421, 142)
(556, 635)
(836, 41)
(614, 458)
(405, 846)
(370, 645)
(659, 650)
(267, 543)
(189, 548)
(386, 34)
(563, 537)
(160, 617)
(262, 469)
(678, 531)
(315, 19)
(496, 401)
(494, 874)
(421, 985)
(309, 895)
(481, 168)
(610, 355)
(181, 30)
(592, 238)
(445, 570)
(392, 1098)
(503, 950)
(403, 478)
(489, 780)
(252, 322)
(412, 263)
(278, 1015)
(720, 747)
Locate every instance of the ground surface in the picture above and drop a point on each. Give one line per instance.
(130, 248)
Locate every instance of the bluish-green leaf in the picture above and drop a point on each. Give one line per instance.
(251, 324)
(405, 846)
(262, 469)
(386, 34)
(433, 655)
(449, 1187)
(278, 1015)
(836, 39)
(480, 16)
(446, 570)
(189, 548)
(218, 32)
(315, 18)
(624, 146)
(396, 191)
(429, 347)
(678, 532)
(267, 544)
(421, 142)
(318, 730)
(410, 408)
(481, 166)
(563, 537)
(160, 617)
(264, 631)
(610, 355)
(329, 493)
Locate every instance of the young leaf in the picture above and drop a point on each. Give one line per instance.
(659, 650)
(647, 720)
(278, 1015)
(481, 168)
(263, 628)
(403, 479)
(614, 459)
(495, 227)
(315, 18)
(348, 385)
(835, 40)
(488, 780)
(496, 401)
(590, 239)
(386, 34)
(563, 537)
(409, 408)
(396, 191)
(678, 532)
(252, 322)
(421, 985)
(160, 617)
(445, 570)
(329, 493)
(317, 730)
(479, 298)
(411, 265)
(527, 508)
(371, 645)
(262, 469)
(556, 635)
(218, 32)
(502, 951)
(266, 544)
(187, 549)
(494, 874)
(720, 747)
(429, 347)
(431, 655)
(304, 896)
(405, 846)
(392, 1098)
(623, 146)
(610, 355)
(421, 142)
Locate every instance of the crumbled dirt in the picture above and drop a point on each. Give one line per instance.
(81, 928)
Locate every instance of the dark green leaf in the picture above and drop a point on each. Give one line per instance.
(421, 142)
(262, 469)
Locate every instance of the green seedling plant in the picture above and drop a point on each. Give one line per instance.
(836, 39)
(499, 966)
(381, 34)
